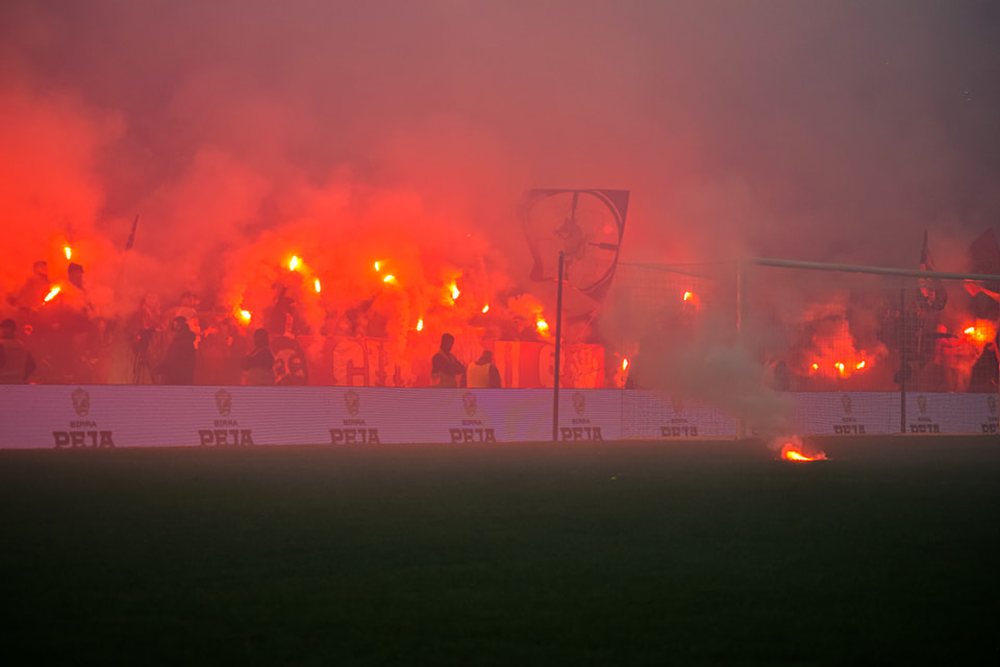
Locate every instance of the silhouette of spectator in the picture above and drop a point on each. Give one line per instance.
(177, 366)
(258, 366)
(16, 363)
(446, 369)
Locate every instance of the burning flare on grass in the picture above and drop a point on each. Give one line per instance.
(420, 324)
(792, 454)
(294, 263)
(68, 252)
(486, 309)
(793, 450)
(245, 315)
(377, 265)
(389, 279)
(317, 286)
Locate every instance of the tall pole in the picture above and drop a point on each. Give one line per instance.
(556, 369)
(741, 286)
(904, 362)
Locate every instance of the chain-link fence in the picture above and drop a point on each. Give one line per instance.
(813, 348)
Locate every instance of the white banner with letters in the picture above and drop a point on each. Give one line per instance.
(46, 416)
(951, 413)
(854, 413)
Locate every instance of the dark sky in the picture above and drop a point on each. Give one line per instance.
(820, 130)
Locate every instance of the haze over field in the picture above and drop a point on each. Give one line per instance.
(828, 131)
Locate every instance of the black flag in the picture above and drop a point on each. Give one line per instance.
(131, 237)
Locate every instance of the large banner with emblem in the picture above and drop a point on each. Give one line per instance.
(951, 413)
(870, 413)
(855, 413)
(105, 416)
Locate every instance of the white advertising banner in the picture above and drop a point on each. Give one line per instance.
(588, 415)
(856, 413)
(104, 416)
(951, 413)
(160, 416)
(649, 416)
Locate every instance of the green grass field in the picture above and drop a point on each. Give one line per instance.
(627, 553)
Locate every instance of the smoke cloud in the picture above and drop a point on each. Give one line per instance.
(242, 132)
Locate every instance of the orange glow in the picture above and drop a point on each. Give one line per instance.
(840, 369)
(245, 315)
(690, 301)
(377, 265)
(68, 252)
(317, 286)
(542, 326)
(792, 451)
(294, 263)
(420, 324)
(486, 309)
(983, 331)
(389, 279)
(52, 293)
(834, 353)
(455, 292)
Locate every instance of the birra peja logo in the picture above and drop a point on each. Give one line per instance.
(82, 432)
(473, 429)
(355, 430)
(225, 431)
(924, 424)
(581, 428)
(849, 424)
(679, 426)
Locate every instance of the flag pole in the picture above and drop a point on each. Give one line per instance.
(556, 366)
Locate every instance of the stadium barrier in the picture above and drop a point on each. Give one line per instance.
(104, 416)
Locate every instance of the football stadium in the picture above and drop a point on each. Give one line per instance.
(499, 333)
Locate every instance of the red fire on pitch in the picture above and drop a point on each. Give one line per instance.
(793, 450)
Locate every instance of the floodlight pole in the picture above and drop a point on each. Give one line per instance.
(904, 362)
(741, 286)
(556, 365)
